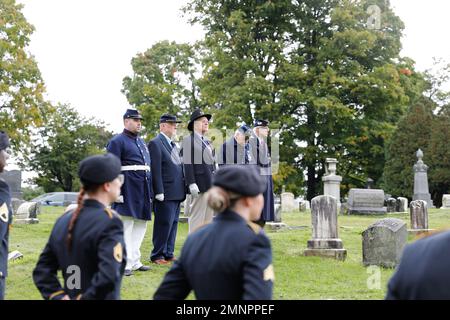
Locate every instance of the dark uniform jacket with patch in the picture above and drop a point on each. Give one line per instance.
(137, 191)
(228, 259)
(5, 221)
(424, 270)
(95, 265)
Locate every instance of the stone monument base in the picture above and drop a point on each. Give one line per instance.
(338, 254)
(366, 211)
(275, 225)
(26, 221)
(420, 232)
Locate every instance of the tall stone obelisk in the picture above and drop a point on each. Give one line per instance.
(421, 191)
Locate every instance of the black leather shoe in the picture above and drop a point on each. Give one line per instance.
(128, 273)
(143, 268)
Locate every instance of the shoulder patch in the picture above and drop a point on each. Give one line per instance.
(4, 213)
(256, 228)
(269, 274)
(118, 252)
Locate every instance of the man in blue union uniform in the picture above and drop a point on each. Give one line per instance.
(135, 202)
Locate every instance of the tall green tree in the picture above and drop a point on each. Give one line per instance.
(439, 158)
(65, 140)
(163, 80)
(316, 70)
(22, 106)
(413, 132)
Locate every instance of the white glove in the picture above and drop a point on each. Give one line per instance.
(193, 188)
(160, 197)
(119, 199)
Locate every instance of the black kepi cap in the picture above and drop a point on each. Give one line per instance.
(168, 118)
(99, 169)
(241, 179)
(132, 114)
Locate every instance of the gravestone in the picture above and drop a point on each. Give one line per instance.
(287, 202)
(70, 207)
(402, 204)
(419, 216)
(325, 240)
(27, 213)
(383, 242)
(331, 181)
(14, 180)
(15, 204)
(445, 201)
(421, 191)
(369, 183)
(391, 205)
(366, 202)
(276, 224)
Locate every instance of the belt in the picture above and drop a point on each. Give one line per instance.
(135, 168)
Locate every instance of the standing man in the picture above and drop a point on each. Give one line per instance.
(134, 204)
(261, 157)
(5, 214)
(199, 168)
(169, 187)
(236, 150)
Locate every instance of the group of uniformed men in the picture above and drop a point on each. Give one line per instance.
(230, 258)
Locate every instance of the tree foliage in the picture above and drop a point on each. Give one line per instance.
(22, 106)
(65, 140)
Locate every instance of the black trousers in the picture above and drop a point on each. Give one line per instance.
(165, 229)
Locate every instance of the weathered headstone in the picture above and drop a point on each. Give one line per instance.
(369, 183)
(14, 180)
(402, 204)
(287, 202)
(391, 205)
(331, 181)
(276, 224)
(325, 241)
(27, 213)
(446, 201)
(421, 191)
(15, 204)
(383, 242)
(419, 216)
(366, 201)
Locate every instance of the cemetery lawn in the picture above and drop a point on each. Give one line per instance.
(296, 277)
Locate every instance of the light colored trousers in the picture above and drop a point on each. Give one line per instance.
(134, 233)
(199, 212)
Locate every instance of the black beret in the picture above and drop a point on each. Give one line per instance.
(245, 180)
(4, 140)
(168, 118)
(99, 169)
(261, 123)
(132, 114)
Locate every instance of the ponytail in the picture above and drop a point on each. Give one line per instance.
(220, 199)
(74, 218)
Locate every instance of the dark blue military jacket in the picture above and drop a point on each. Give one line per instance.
(228, 259)
(95, 265)
(261, 157)
(167, 169)
(198, 161)
(137, 190)
(5, 221)
(233, 153)
(423, 272)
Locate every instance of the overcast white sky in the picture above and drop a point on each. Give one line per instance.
(84, 47)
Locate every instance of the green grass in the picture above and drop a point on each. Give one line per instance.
(296, 276)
